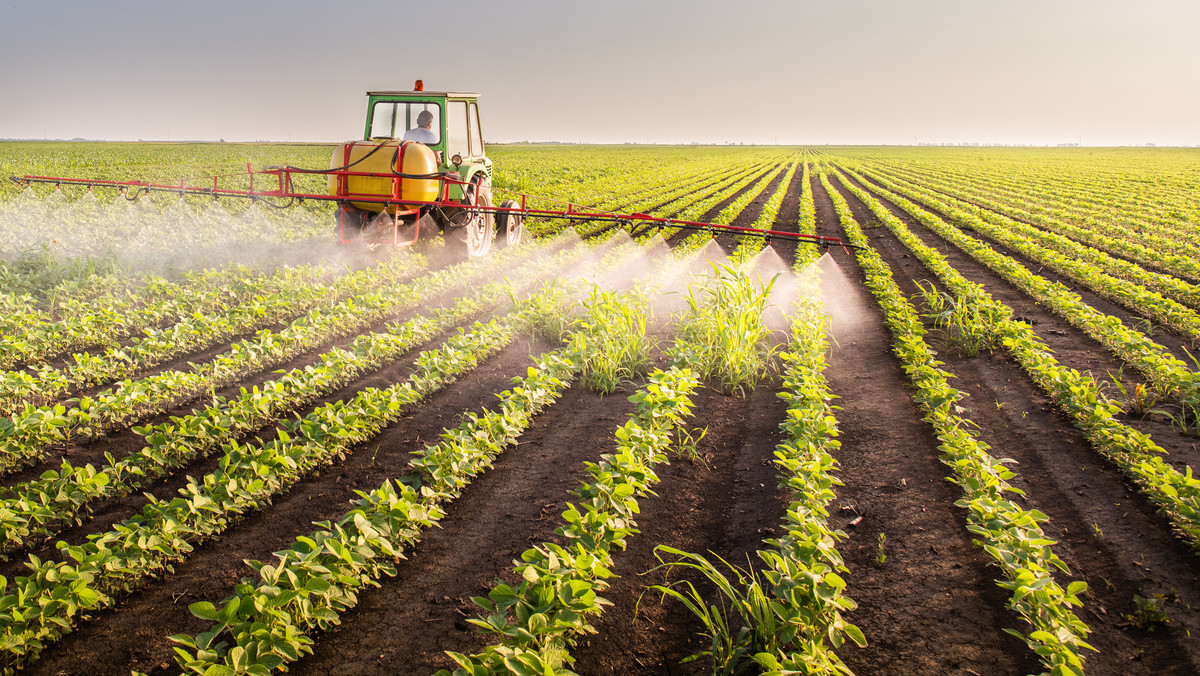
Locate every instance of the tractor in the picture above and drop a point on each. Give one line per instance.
(421, 167)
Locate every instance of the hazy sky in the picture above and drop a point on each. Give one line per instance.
(755, 71)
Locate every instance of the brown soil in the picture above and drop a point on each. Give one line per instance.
(724, 505)
(932, 606)
(404, 626)
(1108, 536)
(788, 219)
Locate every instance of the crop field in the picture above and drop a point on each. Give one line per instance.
(230, 446)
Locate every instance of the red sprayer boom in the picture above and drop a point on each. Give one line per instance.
(275, 184)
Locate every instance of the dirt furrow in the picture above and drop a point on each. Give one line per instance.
(405, 626)
(932, 605)
(1107, 535)
(788, 218)
(726, 502)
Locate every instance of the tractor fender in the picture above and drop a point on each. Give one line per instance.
(478, 172)
(469, 174)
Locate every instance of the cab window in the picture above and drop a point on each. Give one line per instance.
(476, 137)
(456, 129)
(397, 119)
(383, 119)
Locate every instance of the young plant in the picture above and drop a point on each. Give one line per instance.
(723, 334)
(966, 328)
(687, 444)
(799, 583)
(744, 621)
(545, 313)
(1149, 613)
(613, 327)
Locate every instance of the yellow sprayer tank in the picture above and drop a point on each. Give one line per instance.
(405, 157)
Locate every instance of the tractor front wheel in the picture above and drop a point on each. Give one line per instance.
(510, 225)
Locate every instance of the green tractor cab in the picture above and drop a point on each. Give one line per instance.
(433, 154)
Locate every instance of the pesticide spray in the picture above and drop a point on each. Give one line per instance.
(847, 308)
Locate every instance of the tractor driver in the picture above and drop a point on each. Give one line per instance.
(422, 132)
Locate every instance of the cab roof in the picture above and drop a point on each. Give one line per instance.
(451, 95)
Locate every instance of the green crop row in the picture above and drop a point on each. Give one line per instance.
(560, 584)
(686, 196)
(32, 431)
(609, 177)
(38, 608)
(807, 223)
(271, 619)
(196, 328)
(1011, 535)
(735, 207)
(1177, 494)
(1168, 375)
(698, 208)
(1073, 241)
(1142, 191)
(684, 185)
(1075, 261)
(1152, 250)
(543, 615)
(790, 610)
(617, 184)
(60, 496)
(1134, 209)
(803, 564)
(39, 285)
(766, 218)
(29, 433)
(33, 333)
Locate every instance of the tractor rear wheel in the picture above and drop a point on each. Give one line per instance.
(474, 229)
(510, 226)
